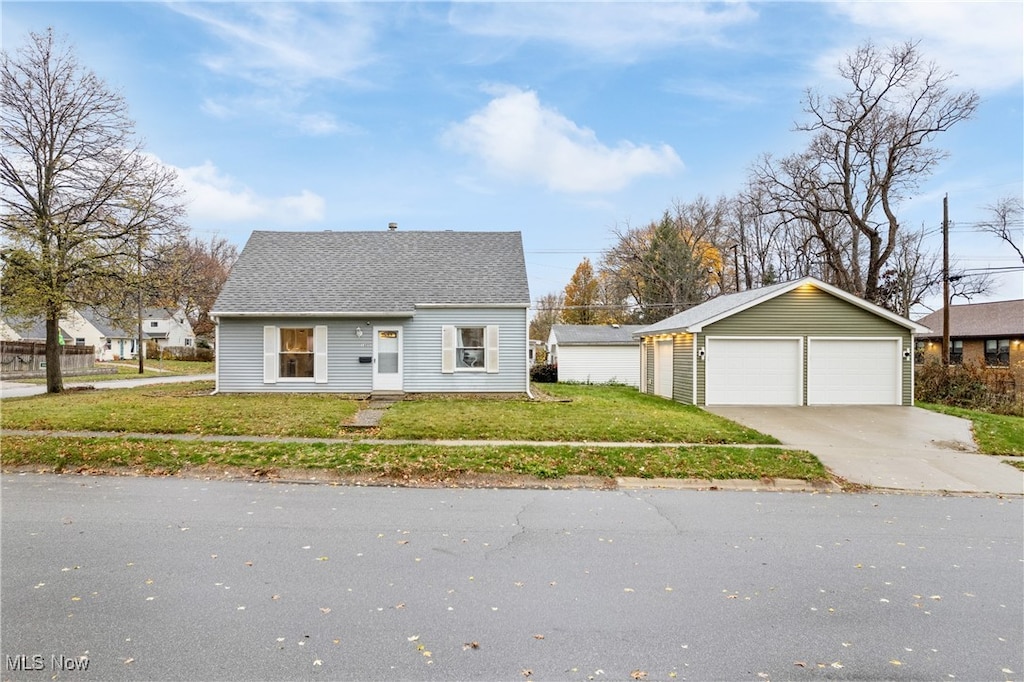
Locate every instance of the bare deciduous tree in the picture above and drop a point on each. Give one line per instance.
(870, 148)
(1005, 222)
(82, 205)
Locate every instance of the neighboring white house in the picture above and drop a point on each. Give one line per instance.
(87, 327)
(595, 354)
(169, 328)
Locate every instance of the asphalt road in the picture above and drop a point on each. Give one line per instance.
(166, 578)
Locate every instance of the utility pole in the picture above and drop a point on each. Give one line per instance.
(945, 280)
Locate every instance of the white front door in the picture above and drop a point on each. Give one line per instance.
(387, 358)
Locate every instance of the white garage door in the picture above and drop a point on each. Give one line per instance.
(753, 371)
(853, 372)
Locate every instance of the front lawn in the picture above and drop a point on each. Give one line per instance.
(590, 413)
(595, 413)
(996, 434)
(181, 408)
(576, 413)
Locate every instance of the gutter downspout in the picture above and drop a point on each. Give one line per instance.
(216, 355)
(526, 317)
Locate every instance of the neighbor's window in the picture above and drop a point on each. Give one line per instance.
(79, 342)
(296, 353)
(188, 342)
(997, 352)
(956, 352)
(154, 324)
(919, 347)
(469, 347)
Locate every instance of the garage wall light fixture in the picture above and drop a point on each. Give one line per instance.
(700, 353)
(906, 354)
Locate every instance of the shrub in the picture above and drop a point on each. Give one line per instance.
(544, 374)
(970, 386)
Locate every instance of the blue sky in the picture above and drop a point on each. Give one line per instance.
(560, 120)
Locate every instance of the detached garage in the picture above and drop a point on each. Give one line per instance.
(796, 343)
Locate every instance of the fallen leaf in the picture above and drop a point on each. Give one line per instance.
(538, 636)
(248, 563)
(414, 638)
(275, 597)
(638, 674)
(318, 662)
(129, 660)
(321, 558)
(800, 664)
(895, 662)
(325, 609)
(526, 672)
(471, 645)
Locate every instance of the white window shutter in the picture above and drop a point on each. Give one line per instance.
(447, 349)
(270, 355)
(320, 354)
(491, 345)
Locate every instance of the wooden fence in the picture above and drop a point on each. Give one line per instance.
(19, 359)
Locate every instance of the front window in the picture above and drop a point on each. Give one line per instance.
(956, 352)
(469, 347)
(997, 352)
(296, 357)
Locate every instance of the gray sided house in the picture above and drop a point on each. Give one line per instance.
(386, 311)
(595, 354)
(796, 343)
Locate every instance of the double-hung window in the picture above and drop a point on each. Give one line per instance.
(997, 352)
(469, 349)
(295, 354)
(956, 352)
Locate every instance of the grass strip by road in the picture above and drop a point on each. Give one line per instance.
(995, 434)
(422, 462)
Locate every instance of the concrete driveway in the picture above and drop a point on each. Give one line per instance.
(906, 448)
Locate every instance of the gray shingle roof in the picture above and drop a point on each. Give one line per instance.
(595, 334)
(382, 271)
(997, 318)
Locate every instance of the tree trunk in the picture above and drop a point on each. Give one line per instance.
(54, 378)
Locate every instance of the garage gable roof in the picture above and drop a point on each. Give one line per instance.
(594, 334)
(696, 318)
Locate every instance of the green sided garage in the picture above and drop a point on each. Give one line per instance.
(796, 343)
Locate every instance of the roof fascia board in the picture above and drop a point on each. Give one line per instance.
(336, 314)
(473, 305)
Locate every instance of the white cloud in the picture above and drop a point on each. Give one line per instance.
(519, 138)
(614, 30)
(981, 42)
(213, 196)
(284, 44)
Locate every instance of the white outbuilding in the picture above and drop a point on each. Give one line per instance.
(595, 354)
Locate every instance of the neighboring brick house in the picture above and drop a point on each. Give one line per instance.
(989, 334)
